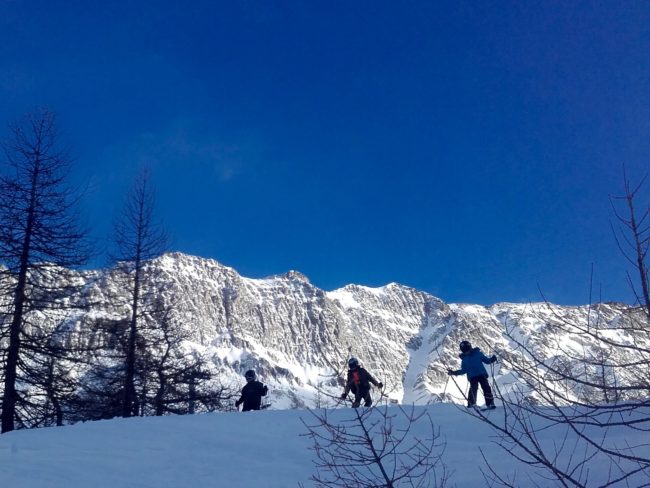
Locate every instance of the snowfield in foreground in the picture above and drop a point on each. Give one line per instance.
(265, 449)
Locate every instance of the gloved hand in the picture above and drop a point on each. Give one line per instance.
(494, 358)
(265, 389)
(344, 396)
(450, 372)
(380, 385)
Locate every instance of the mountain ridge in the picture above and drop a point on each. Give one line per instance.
(298, 336)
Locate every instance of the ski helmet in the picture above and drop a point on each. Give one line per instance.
(250, 375)
(465, 346)
(353, 363)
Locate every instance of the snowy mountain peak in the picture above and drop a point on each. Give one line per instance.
(295, 275)
(298, 337)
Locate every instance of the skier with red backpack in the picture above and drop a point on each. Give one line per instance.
(358, 382)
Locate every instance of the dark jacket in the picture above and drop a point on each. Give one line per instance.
(359, 383)
(472, 363)
(251, 396)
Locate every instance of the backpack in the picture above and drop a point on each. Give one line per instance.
(356, 381)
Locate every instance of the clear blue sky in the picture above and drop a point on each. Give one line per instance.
(463, 148)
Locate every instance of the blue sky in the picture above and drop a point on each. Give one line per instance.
(467, 149)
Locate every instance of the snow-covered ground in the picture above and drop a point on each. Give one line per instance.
(265, 449)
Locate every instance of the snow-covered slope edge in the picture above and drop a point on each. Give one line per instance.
(243, 450)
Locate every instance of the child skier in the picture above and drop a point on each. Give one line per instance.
(251, 393)
(472, 360)
(358, 382)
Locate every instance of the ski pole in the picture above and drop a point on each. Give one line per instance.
(344, 400)
(495, 388)
(382, 395)
(459, 388)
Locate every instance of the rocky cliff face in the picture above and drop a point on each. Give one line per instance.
(298, 337)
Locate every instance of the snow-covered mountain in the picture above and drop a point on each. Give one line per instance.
(298, 337)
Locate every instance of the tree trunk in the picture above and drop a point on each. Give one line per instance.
(13, 354)
(129, 381)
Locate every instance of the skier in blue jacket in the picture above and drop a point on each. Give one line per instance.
(472, 360)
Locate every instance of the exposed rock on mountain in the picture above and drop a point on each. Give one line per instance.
(298, 337)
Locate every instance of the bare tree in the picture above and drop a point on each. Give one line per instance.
(100, 393)
(633, 239)
(596, 383)
(138, 238)
(377, 447)
(40, 241)
(173, 379)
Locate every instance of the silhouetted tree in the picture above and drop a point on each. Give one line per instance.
(40, 242)
(174, 379)
(633, 239)
(138, 238)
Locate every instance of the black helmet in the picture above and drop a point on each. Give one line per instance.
(353, 363)
(250, 375)
(465, 346)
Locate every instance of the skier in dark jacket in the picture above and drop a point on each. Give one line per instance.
(472, 360)
(358, 382)
(251, 393)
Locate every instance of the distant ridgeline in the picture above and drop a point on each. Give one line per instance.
(205, 325)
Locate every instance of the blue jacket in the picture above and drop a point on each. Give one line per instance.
(472, 363)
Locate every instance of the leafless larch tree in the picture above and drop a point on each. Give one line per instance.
(41, 242)
(138, 238)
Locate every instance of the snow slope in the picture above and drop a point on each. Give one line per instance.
(265, 449)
